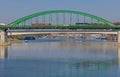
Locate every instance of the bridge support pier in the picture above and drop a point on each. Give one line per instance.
(3, 40)
(85, 35)
(118, 37)
(3, 52)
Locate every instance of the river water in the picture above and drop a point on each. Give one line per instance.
(60, 58)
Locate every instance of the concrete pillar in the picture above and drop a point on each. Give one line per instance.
(3, 40)
(67, 35)
(119, 37)
(85, 35)
(3, 52)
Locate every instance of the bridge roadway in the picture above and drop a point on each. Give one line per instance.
(69, 31)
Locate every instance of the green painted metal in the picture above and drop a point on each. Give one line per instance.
(57, 18)
(14, 23)
(77, 18)
(63, 18)
(50, 18)
(70, 19)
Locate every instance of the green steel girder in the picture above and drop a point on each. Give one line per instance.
(14, 23)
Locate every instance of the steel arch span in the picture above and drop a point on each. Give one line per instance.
(24, 19)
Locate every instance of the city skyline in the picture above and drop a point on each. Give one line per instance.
(15, 9)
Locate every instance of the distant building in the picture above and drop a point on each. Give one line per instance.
(2, 24)
(116, 23)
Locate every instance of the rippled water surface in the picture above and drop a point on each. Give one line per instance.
(60, 58)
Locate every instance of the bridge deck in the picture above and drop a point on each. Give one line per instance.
(43, 31)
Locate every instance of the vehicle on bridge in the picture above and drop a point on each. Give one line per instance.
(80, 24)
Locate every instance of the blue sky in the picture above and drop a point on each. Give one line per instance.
(11, 10)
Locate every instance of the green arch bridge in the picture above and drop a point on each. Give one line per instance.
(61, 19)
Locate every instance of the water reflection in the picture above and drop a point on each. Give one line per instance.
(119, 56)
(61, 59)
(3, 52)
